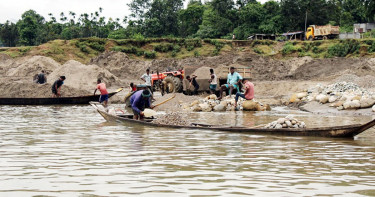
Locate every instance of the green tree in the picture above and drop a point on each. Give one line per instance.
(190, 18)
(9, 34)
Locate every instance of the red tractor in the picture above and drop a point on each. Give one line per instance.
(168, 82)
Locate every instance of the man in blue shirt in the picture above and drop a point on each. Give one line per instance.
(233, 81)
(139, 101)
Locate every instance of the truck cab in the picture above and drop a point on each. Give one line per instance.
(310, 33)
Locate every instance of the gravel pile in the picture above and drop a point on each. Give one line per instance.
(173, 118)
(287, 122)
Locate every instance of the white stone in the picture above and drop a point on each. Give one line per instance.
(301, 95)
(373, 108)
(220, 107)
(332, 99)
(288, 123)
(366, 102)
(281, 120)
(278, 126)
(355, 104)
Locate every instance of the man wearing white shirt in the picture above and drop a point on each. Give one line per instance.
(147, 79)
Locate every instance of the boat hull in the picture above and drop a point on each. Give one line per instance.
(348, 131)
(52, 101)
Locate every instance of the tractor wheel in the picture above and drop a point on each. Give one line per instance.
(178, 84)
(169, 84)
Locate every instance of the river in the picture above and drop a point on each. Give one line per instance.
(73, 151)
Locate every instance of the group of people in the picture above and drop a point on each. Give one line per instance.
(141, 99)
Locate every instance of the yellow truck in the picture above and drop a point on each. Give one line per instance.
(315, 32)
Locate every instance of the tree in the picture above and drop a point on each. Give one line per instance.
(30, 28)
(9, 34)
(190, 18)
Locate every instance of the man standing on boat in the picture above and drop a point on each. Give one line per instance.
(139, 101)
(103, 92)
(147, 79)
(56, 87)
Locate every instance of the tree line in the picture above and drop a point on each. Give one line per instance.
(168, 18)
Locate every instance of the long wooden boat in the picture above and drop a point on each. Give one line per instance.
(348, 131)
(54, 101)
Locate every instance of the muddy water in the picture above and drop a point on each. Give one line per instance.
(72, 151)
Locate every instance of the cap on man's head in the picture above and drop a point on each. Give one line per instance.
(146, 93)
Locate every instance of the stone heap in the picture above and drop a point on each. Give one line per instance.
(173, 118)
(211, 103)
(342, 95)
(287, 122)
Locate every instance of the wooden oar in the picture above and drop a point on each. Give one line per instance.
(166, 100)
(149, 112)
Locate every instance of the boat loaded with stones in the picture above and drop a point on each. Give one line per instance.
(348, 131)
(54, 101)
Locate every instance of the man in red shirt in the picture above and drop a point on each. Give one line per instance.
(249, 92)
(103, 92)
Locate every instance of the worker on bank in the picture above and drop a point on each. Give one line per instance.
(233, 80)
(41, 78)
(139, 101)
(103, 92)
(194, 83)
(213, 81)
(56, 87)
(249, 92)
(147, 79)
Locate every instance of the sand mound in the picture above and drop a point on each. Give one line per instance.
(202, 72)
(119, 63)
(82, 76)
(29, 66)
(5, 62)
(175, 103)
(367, 81)
(22, 89)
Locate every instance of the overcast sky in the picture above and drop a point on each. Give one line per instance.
(12, 9)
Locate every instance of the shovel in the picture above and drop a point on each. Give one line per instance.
(149, 112)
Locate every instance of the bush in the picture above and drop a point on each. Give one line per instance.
(176, 48)
(165, 47)
(196, 54)
(130, 49)
(190, 48)
(344, 48)
(150, 54)
(174, 53)
(288, 48)
(257, 50)
(216, 52)
(317, 50)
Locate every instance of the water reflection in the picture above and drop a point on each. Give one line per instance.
(71, 150)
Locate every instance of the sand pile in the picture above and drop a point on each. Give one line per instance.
(82, 76)
(119, 63)
(367, 81)
(175, 103)
(202, 72)
(173, 118)
(22, 89)
(29, 66)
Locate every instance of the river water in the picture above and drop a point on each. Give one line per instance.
(73, 151)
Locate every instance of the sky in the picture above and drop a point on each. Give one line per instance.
(13, 9)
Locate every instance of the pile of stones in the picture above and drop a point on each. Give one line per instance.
(287, 122)
(172, 118)
(342, 95)
(211, 103)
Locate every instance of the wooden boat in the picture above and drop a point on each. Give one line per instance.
(54, 101)
(348, 131)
